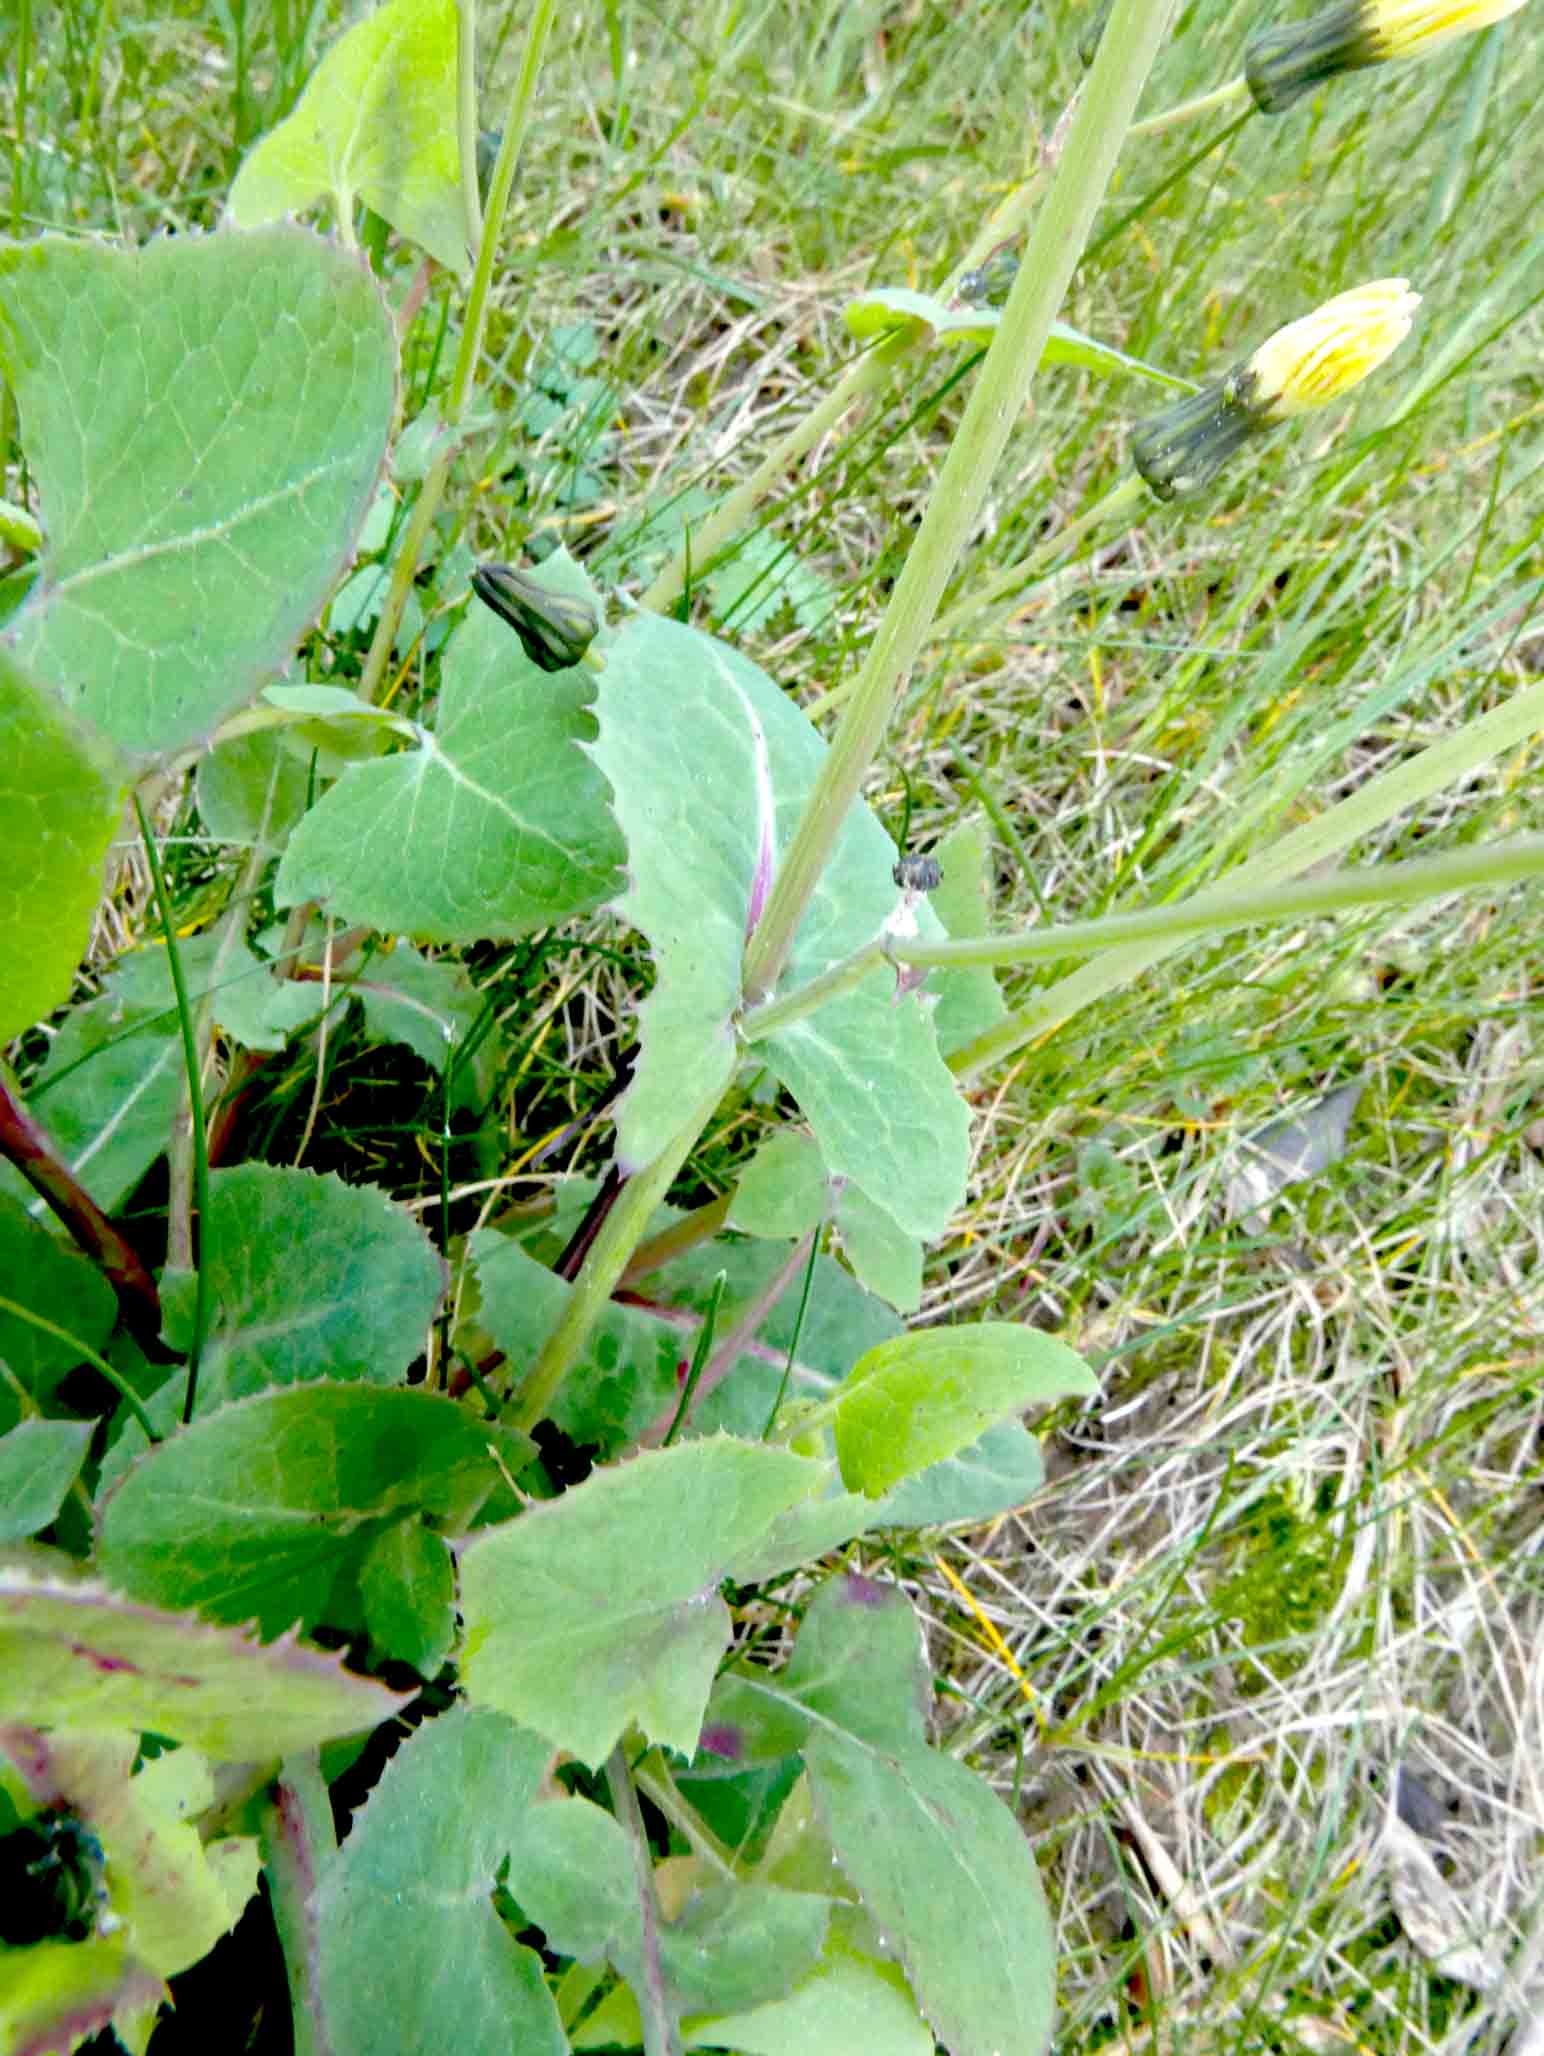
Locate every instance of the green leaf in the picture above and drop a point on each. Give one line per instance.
(925, 1396)
(625, 1374)
(839, 1323)
(78, 1655)
(174, 1896)
(784, 1191)
(252, 1006)
(60, 798)
(332, 727)
(992, 1476)
(251, 791)
(858, 1664)
(57, 1993)
(411, 1953)
(310, 1278)
(50, 1278)
(256, 1511)
(947, 1873)
(740, 1945)
(741, 1807)
(106, 1097)
(203, 480)
(377, 121)
(601, 1607)
(888, 308)
(969, 1001)
(850, 2002)
(732, 1945)
(710, 765)
(571, 1870)
(408, 1587)
(497, 824)
(39, 1462)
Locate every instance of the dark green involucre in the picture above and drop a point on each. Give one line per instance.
(555, 629)
(1183, 447)
(1283, 64)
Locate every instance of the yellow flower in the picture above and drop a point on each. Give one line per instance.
(1284, 63)
(1313, 361)
(1302, 366)
(1414, 28)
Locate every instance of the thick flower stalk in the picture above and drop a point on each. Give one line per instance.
(1302, 366)
(1284, 63)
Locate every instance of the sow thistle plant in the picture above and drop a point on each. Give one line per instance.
(648, 1730)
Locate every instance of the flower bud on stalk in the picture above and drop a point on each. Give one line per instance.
(1302, 366)
(555, 629)
(1283, 64)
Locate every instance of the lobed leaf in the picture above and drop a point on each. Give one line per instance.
(497, 823)
(602, 1607)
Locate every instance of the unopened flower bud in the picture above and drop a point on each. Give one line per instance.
(1284, 63)
(917, 874)
(555, 629)
(1302, 366)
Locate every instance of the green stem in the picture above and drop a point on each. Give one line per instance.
(466, 118)
(115, 1378)
(1056, 240)
(299, 1845)
(1221, 908)
(867, 375)
(1407, 785)
(1192, 110)
(619, 1235)
(661, 2029)
(194, 1069)
(432, 491)
(761, 1022)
